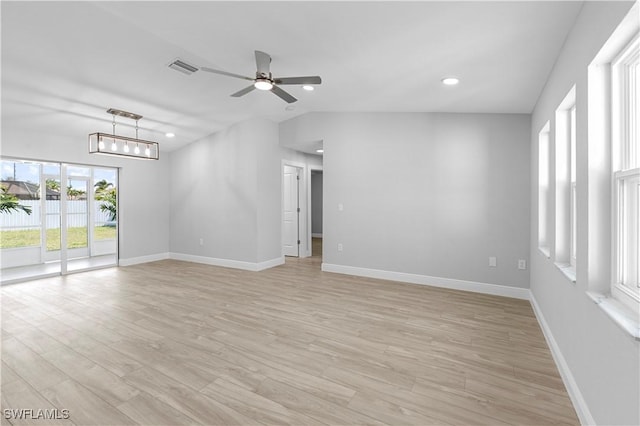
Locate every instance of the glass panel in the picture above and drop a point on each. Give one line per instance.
(51, 169)
(52, 211)
(77, 213)
(543, 186)
(105, 195)
(572, 127)
(634, 110)
(20, 214)
(637, 220)
(629, 232)
(78, 171)
(574, 229)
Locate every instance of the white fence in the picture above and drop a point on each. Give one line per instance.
(76, 215)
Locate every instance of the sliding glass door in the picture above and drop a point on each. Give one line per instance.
(56, 218)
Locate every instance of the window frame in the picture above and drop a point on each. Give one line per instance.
(544, 189)
(625, 97)
(565, 207)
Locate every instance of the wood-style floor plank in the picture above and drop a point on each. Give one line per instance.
(30, 366)
(174, 342)
(196, 405)
(85, 408)
(18, 395)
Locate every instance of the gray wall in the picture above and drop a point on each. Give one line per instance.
(316, 202)
(225, 189)
(603, 359)
(144, 205)
(424, 193)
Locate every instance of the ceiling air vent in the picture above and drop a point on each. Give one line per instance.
(183, 67)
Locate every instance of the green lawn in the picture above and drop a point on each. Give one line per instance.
(76, 237)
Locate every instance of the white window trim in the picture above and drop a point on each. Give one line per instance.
(619, 313)
(573, 204)
(599, 186)
(564, 183)
(544, 161)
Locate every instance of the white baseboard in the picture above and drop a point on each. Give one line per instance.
(228, 263)
(261, 266)
(316, 235)
(143, 259)
(498, 290)
(579, 403)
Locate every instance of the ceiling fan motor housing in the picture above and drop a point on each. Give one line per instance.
(265, 81)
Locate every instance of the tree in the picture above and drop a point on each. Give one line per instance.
(107, 194)
(9, 202)
(74, 194)
(102, 185)
(53, 184)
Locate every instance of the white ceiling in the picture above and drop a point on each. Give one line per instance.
(64, 60)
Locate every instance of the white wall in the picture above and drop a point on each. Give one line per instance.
(603, 360)
(269, 191)
(225, 190)
(144, 205)
(424, 193)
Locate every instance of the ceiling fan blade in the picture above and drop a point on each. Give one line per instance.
(243, 91)
(230, 74)
(283, 95)
(299, 80)
(263, 63)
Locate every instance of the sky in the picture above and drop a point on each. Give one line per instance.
(30, 172)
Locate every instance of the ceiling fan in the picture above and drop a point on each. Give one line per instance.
(265, 81)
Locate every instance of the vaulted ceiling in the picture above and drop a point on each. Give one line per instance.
(65, 63)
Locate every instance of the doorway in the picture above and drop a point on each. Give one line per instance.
(316, 212)
(56, 218)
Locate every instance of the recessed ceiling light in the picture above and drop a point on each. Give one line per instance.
(308, 88)
(169, 135)
(320, 151)
(450, 81)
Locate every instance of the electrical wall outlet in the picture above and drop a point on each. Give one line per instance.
(339, 246)
(522, 264)
(493, 261)
(201, 241)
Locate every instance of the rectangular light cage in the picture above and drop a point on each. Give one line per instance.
(122, 146)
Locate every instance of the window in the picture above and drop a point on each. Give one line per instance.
(543, 190)
(574, 206)
(625, 94)
(565, 186)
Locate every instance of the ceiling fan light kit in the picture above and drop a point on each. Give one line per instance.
(263, 84)
(264, 81)
(122, 146)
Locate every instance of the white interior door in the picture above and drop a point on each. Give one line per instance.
(291, 212)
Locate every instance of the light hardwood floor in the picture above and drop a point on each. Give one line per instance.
(182, 343)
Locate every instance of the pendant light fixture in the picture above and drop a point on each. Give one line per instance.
(112, 144)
